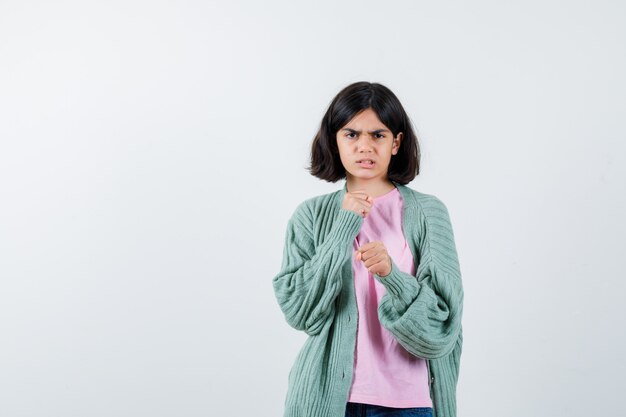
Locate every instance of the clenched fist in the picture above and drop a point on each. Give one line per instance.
(375, 258)
(358, 201)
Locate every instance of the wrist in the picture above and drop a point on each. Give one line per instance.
(388, 273)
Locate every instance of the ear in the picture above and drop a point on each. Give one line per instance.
(396, 143)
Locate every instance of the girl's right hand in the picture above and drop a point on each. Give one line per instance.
(358, 202)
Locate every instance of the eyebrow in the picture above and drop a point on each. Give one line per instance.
(371, 131)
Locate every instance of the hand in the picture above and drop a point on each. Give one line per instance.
(358, 202)
(375, 258)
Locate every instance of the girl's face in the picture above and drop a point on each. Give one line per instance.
(364, 138)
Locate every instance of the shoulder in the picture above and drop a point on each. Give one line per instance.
(308, 210)
(426, 203)
(428, 211)
(431, 204)
(434, 228)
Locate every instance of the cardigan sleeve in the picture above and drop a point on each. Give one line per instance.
(424, 312)
(309, 280)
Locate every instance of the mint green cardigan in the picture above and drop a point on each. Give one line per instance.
(315, 291)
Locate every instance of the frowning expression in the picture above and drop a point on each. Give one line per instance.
(366, 146)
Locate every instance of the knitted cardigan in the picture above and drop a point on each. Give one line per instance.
(315, 291)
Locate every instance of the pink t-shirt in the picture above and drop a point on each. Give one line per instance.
(385, 373)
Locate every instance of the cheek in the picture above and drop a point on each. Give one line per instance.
(342, 150)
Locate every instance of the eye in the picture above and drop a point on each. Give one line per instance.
(350, 134)
(380, 136)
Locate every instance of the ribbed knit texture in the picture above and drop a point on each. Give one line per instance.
(315, 291)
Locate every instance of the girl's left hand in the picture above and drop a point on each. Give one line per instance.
(375, 258)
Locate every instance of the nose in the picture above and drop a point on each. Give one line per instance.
(364, 144)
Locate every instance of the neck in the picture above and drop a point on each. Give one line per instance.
(372, 188)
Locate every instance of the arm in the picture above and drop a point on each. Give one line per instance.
(310, 277)
(424, 312)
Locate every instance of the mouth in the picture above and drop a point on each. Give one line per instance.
(366, 163)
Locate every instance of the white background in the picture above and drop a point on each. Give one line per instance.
(151, 153)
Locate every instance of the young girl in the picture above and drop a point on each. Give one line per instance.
(370, 273)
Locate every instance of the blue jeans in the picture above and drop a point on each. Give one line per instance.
(371, 410)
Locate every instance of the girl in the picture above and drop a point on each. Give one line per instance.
(370, 273)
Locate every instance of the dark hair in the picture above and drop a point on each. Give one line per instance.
(325, 160)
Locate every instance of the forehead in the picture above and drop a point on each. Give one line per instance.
(367, 117)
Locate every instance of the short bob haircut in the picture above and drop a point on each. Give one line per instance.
(325, 159)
